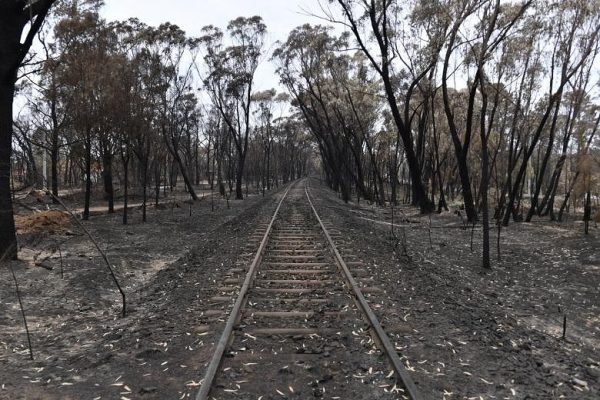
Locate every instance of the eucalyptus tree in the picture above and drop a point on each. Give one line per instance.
(173, 93)
(492, 23)
(574, 27)
(356, 112)
(52, 104)
(230, 80)
(586, 134)
(524, 60)
(305, 64)
(49, 105)
(84, 42)
(575, 102)
(24, 135)
(211, 124)
(110, 121)
(339, 103)
(145, 137)
(183, 125)
(402, 66)
(127, 110)
(135, 108)
(359, 113)
(292, 149)
(496, 21)
(20, 20)
(264, 126)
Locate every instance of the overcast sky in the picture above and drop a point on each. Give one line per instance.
(280, 16)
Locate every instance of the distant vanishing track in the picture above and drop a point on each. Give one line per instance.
(298, 319)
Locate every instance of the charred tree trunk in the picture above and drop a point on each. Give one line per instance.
(173, 146)
(269, 165)
(107, 176)
(54, 165)
(27, 147)
(8, 237)
(125, 188)
(197, 167)
(88, 174)
(220, 183)
(157, 173)
(542, 170)
(587, 212)
(144, 190)
(404, 132)
(14, 17)
(485, 169)
(186, 178)
(239, 176)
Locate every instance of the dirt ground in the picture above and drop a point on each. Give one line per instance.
(82, 347)
(464, 333)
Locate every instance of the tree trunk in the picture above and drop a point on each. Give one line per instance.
(9, 46)
(107, 177)
(144, 189)
(157, 171)
(465, 180)
(419, 194)
(587, 212)
(197, 167)
(269, 165)
(485, 169)
(14, 17)
(239, 176)
(88, 175)
(542, 170)
(210, 167)
(125, 188)
(8, 237)
(186, 179)
(219, 176)
(547, 206)
(66, 174)
(54, 165)
(239, 194)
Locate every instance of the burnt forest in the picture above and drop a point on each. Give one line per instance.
(300, 199)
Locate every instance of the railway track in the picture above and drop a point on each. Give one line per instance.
(300, 326)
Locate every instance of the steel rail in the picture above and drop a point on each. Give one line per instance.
(217, 357)
(402, 374)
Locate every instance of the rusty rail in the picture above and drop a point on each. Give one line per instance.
(215, 361)
(388, 348)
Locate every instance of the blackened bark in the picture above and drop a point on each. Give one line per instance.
(173, 147)
(54, 146)
(107, 177)
(88, 175)
(485, 169)
(144, 189)
(542, 170)
(186, 179)
(578, 172)
(461, 149)
(239, 175)
(125, 188)
(54, 165)
(587, 211)
(379, 27)
(14, 16)
(269, 164)
(419, 194)
(197, 162)
(8, 236)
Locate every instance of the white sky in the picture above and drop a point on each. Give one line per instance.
(280, 16)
